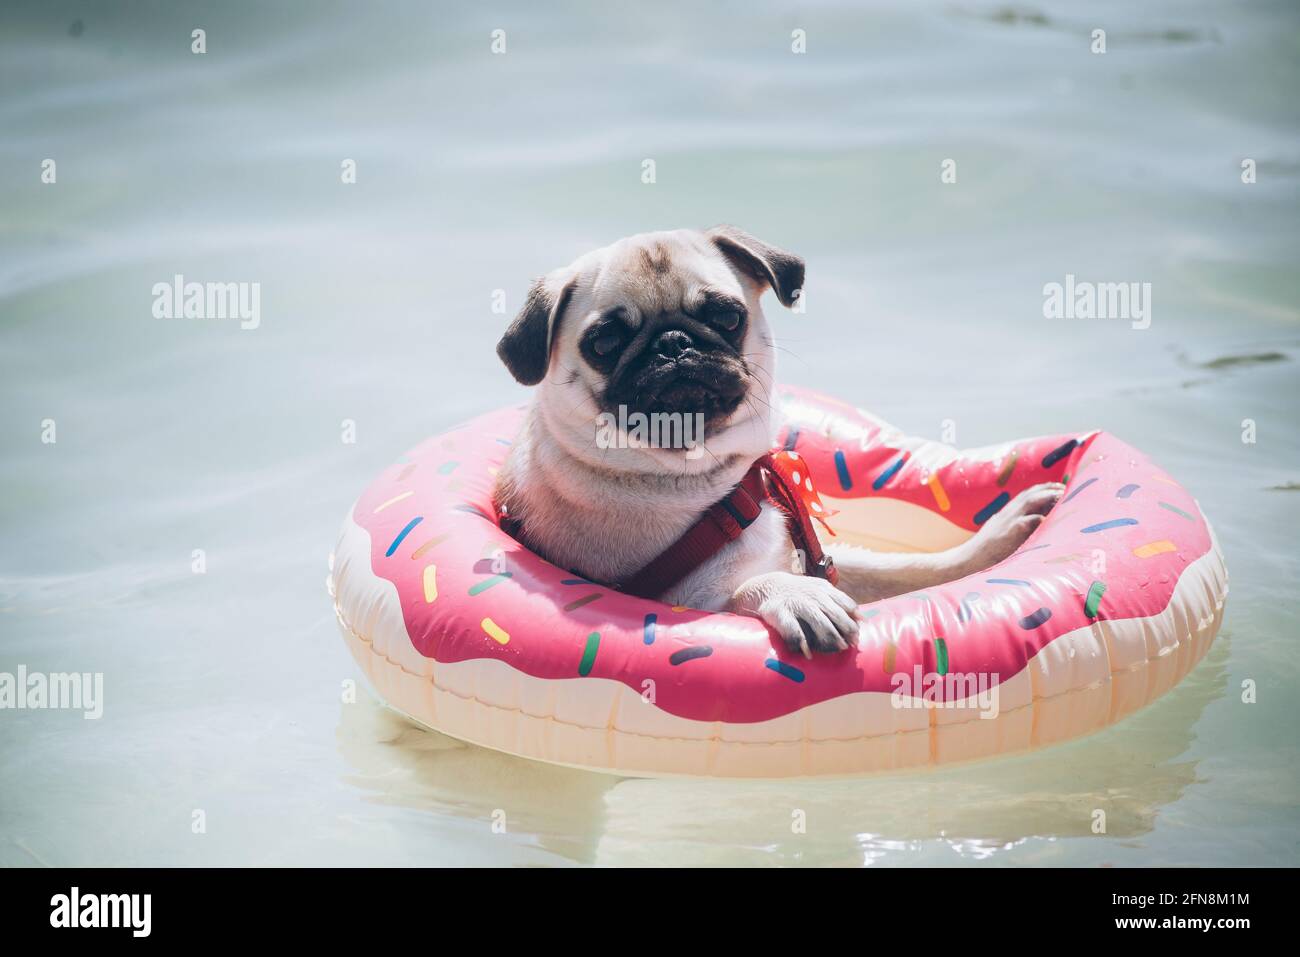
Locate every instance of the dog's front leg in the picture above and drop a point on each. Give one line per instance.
(871, 576)
(810, 614)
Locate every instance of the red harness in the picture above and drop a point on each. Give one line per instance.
(780, 478)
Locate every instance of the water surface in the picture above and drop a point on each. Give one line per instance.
(477, 172)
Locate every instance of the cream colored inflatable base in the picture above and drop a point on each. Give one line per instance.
(1081, 682)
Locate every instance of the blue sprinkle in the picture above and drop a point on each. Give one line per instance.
(1127, 490)
(1077, 490)
(505, 441)
(1030, 622)
(650, 628)
(786, 671)
(791, 438)
(992, 508)
(575, 581)
(402, 535)
(686, 654)
(1008, 581)
(887, 474)
(1058, 453)
(842, 467)
(1113, 523)
(472, 510)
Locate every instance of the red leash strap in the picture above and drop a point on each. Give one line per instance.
(726, 519)
(721, 523)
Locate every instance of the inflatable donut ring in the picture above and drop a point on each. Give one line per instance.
(1111, 601)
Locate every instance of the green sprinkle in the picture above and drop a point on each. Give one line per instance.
(941, 656)
(1094, 599)
(589, 654)
(1177, 511)
(487, 583)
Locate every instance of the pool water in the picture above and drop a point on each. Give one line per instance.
(184, 444)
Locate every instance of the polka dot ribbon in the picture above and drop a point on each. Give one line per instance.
(793, 472)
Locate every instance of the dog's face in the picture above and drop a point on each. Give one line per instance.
(660, 323)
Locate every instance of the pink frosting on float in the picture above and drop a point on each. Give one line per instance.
(433, 508)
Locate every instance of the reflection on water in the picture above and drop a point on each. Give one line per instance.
(477, 172)
(398, 763)
(967, 813)
(1005, 810)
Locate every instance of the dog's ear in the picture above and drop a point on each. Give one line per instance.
(780, 270)
(525, 347)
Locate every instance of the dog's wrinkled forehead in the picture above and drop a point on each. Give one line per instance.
(658, 273)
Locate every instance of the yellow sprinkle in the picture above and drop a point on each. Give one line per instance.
(393, 501)
(494, 630)
(679, 607)
(1154, 548)
(430, 582)
(940, 496)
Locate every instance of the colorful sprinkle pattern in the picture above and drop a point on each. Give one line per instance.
(428, 518)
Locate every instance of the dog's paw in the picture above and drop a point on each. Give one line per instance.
(810, 614)
(1007, 530)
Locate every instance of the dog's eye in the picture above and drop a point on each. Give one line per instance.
(728, 320)
(723, 313)
(602, 342)
(606, 343)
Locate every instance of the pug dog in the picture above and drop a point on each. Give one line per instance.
(670, 322)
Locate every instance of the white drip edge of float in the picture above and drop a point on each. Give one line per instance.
(1083, 681)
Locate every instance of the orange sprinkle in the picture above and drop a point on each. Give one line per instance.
(1154, 548)
(940, 496)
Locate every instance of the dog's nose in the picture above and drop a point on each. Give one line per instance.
(672, 343)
